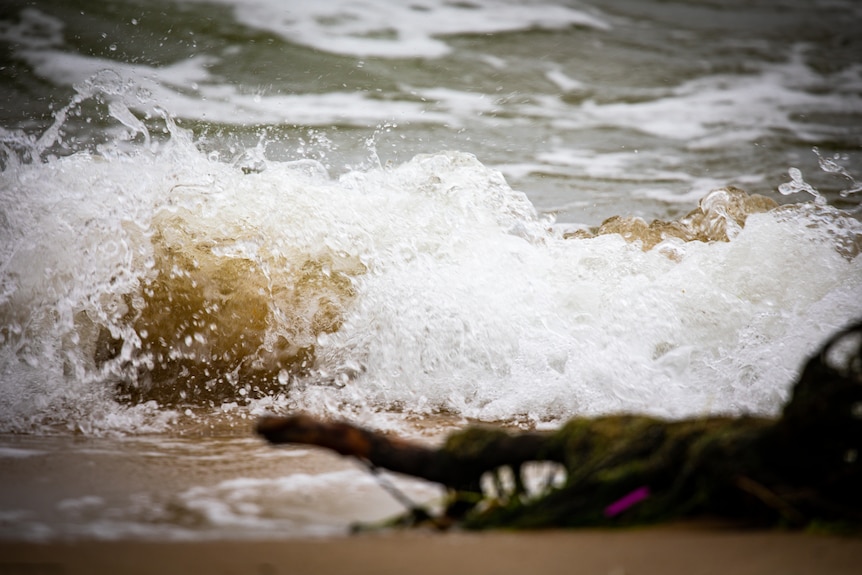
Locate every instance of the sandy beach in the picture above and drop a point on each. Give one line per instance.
(658, 550)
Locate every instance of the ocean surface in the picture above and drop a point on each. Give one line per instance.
(412, 215)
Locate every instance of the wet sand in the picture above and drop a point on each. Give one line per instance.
(661, 550)
(41, 475)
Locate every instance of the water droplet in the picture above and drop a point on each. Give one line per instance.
(795, 174)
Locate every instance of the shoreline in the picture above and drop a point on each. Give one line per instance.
(671, 549)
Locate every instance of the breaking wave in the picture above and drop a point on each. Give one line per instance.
(146, 277)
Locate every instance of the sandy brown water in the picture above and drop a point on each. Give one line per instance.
(167, 488)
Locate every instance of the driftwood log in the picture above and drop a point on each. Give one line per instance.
(800, 469)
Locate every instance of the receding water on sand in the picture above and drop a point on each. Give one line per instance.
(170, 487)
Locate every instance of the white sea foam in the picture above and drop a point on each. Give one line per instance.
(708, 110)
(507, 327)
(16, 453)
(469, 304)
(189, 91)
(460, 298)
(711, 111)
(295, 505)
(393, 29)
(301, 504)
(619, 166)
(563, 81)
(657, 177)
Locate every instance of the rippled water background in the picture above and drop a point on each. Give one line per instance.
(591, 108)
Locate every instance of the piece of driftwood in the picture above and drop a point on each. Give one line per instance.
(800, 469)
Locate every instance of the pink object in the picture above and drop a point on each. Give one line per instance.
(627, 501)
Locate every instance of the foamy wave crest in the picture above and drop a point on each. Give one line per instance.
(142, 277)
(537, 331)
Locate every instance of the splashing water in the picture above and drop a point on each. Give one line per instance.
(831, 165)
(798, 184)
(143, 277)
